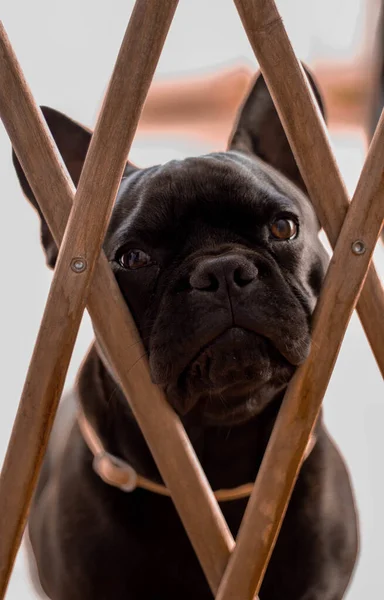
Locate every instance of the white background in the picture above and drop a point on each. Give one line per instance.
(67, 50)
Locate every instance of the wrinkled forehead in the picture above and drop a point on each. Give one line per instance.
(206, 187)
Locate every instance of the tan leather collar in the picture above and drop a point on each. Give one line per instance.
(116, 472)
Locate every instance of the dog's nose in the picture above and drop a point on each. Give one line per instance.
(231, 271)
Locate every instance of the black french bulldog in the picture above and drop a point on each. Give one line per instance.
(219, 260)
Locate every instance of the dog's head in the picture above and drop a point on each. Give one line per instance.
(219, 260)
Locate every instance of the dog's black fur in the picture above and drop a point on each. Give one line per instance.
(224, 309)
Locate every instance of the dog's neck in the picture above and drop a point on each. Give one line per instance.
(230, 456)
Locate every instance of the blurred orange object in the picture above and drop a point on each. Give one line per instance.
(198, 106)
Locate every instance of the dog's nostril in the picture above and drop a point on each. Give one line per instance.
(243, 276)
(204, 281)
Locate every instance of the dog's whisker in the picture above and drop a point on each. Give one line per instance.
(136, 342)
(136, 361)
(223, 400)
(113, 393)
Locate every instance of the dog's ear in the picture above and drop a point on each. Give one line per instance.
(259, 130)
(72, 140)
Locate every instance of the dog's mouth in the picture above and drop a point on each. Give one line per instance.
(227, 344)
(229, 372)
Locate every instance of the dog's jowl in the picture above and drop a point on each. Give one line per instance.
(220, 263)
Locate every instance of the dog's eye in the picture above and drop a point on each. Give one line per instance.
(284, 229)
(134, 259)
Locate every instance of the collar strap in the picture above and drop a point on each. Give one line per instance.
(116, 472)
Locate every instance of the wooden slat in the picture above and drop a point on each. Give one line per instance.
(137, 384)
(302, 402)
(310, 144)
(99, 181)
(117, 333)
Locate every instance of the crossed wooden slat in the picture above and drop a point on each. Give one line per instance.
(232, 572)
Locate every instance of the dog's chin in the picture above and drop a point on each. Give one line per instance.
(232, 379)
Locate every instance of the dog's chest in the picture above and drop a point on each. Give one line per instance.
(132, 541)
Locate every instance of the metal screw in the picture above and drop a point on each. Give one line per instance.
(358, 247)
(78, 265)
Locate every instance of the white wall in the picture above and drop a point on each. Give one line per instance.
(67, 50)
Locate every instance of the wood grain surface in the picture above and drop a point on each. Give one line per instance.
(344, 282)
(103, 168)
